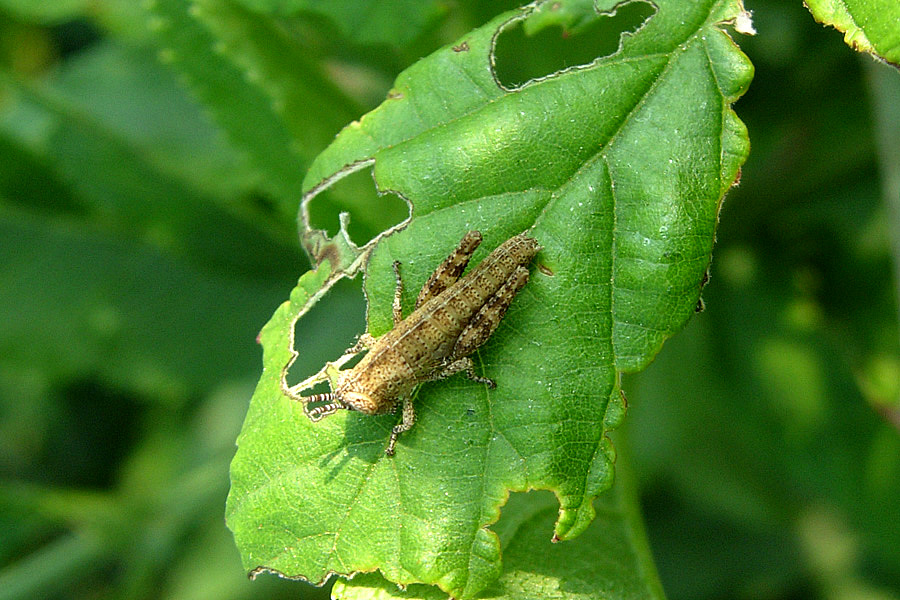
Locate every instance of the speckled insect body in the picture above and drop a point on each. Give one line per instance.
(453, 317)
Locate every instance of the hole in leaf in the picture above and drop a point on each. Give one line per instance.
(551, 40)
(370, 213)
(329, 328)
(537, 510)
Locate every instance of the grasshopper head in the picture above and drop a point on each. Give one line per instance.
(360, 401)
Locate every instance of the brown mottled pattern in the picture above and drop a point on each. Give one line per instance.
(448, 273)
(448, 326)
(483, 324)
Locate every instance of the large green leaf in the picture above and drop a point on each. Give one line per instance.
(618, 168)
(871, 26)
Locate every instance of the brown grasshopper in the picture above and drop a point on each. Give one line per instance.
(453, 317)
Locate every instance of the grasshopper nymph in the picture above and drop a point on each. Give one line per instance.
(453, 317)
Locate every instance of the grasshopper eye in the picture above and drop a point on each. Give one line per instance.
(361, 402)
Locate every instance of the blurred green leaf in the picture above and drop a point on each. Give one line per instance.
(394, 22)
(27, 179)
(868, 26)
(253, 77)
(124, 318)
(175, 183)
(45, 12)
(618, 169)
(751, 457)
(310, 106)
(124, 93)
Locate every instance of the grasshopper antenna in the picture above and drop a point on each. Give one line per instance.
(334, 405)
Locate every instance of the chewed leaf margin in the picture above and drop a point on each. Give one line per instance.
(870, 27)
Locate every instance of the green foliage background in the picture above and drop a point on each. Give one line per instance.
(142, 248)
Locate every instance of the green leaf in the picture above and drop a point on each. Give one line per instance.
(394, 22)
(131, 174)
(593, 566)
(254, 78)
(618, 168)
(871, 26)
(114, 292)
(45, 12)
(309, 106)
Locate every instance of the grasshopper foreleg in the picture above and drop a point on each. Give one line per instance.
(406, 423)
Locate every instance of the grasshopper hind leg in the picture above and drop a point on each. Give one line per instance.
(485, 322)
(471, 374)
(449, 271)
